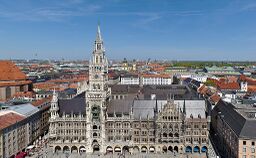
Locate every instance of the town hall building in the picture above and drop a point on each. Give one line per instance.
(121, 118)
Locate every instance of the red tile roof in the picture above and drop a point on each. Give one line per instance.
(41, 101)
(9, 71)
(202, 89)
(215, 98)
(250, 81)
(232, 78)
(251, 88)
(9, 119)
(29, 94)
(229, 86)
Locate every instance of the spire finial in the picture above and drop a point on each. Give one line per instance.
(54, 95)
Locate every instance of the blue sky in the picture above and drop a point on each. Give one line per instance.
(135, 29)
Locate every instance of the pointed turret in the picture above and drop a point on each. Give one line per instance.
(54, 96)
(54, 105)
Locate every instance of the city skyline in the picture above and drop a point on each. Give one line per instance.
(175, 30)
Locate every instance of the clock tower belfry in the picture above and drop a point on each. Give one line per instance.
(97, 97)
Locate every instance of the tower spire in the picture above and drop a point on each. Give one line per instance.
(98, 37)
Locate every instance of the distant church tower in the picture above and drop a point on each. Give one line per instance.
(97, 97)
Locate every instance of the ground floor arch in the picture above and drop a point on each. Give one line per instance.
(66, 149)
(152, 149)
(196, 149)
(74, 149)
(164, 148)
(188, 149)
(204, 149)
(170, 149)
(96, 148)
(57, 149)
(109, 149)
(126, 149)
(144, 149)
(136, 149)
(82, 149)
(176, 149)
(117, 149)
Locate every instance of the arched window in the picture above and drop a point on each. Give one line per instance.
(94, 127)
(98, 46)
(176, 134)
(100, 59)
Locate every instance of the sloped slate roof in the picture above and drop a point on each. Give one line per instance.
(194, 107)
(119, 106)
(242, 126)
(249, 129)
(144, 109)
(75, 105)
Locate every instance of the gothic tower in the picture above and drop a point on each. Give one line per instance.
(54, 113)
(97, 97)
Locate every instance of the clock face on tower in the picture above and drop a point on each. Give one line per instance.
(96, 76)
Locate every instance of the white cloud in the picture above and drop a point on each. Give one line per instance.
(56, 13)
